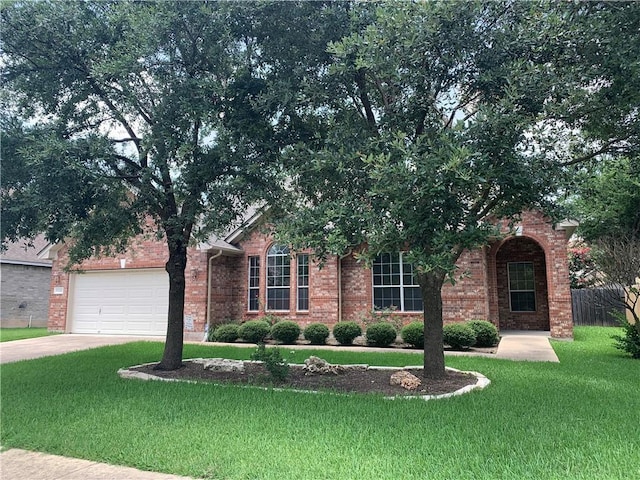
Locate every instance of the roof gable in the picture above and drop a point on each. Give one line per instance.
(26, 252)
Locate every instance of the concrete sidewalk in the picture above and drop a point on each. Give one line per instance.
(18, 464)
(527, 346)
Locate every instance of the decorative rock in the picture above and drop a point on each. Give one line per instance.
(320, 366)
(406, 380)
(224, 365)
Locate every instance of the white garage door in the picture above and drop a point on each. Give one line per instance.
(123, 302)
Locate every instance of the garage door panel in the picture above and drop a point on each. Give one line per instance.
(112, 327)
(130, 302)
(86, 325)
(113, 310)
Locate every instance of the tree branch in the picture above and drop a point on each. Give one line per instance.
(118, 115)
(124, 140)
(142, 111)
(383, 95)
(135, 166)
(364, 98)
(589, 156)
(460, 105)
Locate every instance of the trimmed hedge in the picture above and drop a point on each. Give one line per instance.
(227, 333)
(486, 333)
(285, 331)
(317, 333)
(254, 331)
(413, 334)
(458, 336)
(346, 332)
(381, 334)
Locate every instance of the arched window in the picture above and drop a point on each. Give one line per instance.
(278, 277)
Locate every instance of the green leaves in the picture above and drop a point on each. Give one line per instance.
(61, 188)
(151, 107)
(607, 200)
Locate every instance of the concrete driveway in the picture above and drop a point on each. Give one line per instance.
(57, 344)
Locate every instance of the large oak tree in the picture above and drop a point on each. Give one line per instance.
(440, 117)
(120, 112)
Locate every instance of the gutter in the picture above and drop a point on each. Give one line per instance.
(209, 281)
(27, 263)
(349, 252)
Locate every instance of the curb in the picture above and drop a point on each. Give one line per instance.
(481, 382)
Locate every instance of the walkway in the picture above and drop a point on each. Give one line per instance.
(523, 345)
(18, 464)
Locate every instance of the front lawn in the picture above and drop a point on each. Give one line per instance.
(10, 334)
(577, 419)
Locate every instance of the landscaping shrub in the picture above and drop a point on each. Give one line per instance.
(271, 319)
(381, 334)
(226, 333)
(413, 334)
(285, 331)
(389, 315)
(254, 331)
(486, 333)
(277, 366)
(210, 329)
(458, 335)
(346, 332)
(317, 333)
(630, 341)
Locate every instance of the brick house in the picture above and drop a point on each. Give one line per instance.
(520, 282)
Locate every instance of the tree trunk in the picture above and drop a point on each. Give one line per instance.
(431, 288)
(172, 356)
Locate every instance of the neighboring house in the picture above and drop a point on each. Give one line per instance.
(24, 285)
(519, 283)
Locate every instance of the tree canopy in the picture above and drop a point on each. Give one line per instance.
(606, 199)
(440, 119)
(119, 112)
(391, 125)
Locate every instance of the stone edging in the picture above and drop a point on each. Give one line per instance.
(482, 381)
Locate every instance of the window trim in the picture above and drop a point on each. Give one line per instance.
(299, 275)
(285, 253)
(401, 286)
(533, 290)
(255, 289)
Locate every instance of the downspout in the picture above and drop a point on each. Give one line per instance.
(340, 283)
(209, 280)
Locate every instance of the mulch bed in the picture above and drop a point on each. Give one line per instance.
(352, 380)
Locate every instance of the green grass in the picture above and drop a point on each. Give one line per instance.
(574, 420)
(10, 334)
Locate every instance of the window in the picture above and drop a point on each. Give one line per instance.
(278, 278)
(394, 285)
(254, 284)
(303, 282)
(522, 293)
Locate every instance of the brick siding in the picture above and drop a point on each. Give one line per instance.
(522, 249)
(480, 290)
(144, 253)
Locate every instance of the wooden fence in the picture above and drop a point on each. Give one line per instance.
(594, 306)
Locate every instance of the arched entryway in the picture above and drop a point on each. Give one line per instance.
(521, 281)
